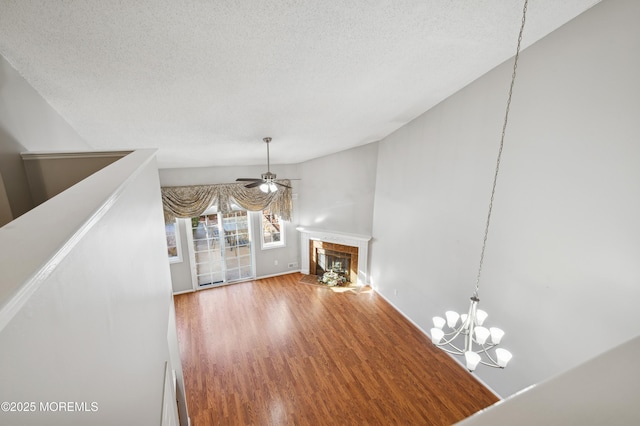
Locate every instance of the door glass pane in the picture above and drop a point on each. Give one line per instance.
(236, 236)
(207, 251)
(222, 248)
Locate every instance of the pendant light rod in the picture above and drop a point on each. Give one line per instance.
(267, 140)
(504, 130)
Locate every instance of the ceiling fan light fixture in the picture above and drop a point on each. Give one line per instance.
(267, 182)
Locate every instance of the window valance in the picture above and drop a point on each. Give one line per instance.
(191, 201)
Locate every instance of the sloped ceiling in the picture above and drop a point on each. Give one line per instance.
(205, 81)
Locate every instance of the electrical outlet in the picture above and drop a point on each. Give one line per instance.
(395, 291)
(275, 262)
(293, 265)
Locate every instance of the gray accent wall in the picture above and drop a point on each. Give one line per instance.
(561, 271)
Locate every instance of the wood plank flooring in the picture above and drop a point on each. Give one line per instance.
(277, 352)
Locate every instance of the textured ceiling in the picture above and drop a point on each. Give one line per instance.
(204, 81)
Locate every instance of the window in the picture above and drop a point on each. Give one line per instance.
(173, 242)
(272, 230)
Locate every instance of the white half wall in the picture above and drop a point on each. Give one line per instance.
(85, 301)
(602, 391)
(561, 273)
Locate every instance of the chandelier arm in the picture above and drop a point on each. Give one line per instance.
(504, 129)
(457, 351)
(455, 333)
(490, 365)
(453, 337)
(485, 350)
(485, 346)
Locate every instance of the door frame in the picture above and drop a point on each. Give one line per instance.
(192, 255)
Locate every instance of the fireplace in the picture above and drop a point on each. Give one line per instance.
(325, 256)
(341, 246)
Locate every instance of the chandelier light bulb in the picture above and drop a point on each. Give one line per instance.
(481, 316)
(473, 359)
(452, 318)
(436, 335)
(482, 334)
(496, 335)
(273, 187)
(438, 322)
(504, 356)
(463, 318)
(264, 188)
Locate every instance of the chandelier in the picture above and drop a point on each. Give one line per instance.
(465, 334)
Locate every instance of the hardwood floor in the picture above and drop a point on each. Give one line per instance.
(276, 351)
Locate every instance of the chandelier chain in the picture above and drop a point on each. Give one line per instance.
(504, 129)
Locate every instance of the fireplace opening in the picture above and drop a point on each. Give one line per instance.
(325, 257)
(329, 260)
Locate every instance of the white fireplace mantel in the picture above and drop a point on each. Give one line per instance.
(336, 237)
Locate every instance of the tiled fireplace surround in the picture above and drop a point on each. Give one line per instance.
(355, 244)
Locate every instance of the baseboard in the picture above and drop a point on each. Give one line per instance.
(277, 275)
(456, 359)
(175, 293)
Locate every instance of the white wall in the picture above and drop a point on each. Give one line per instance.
(29, 119)
(337, 191)
(561, 272)
(85, 300)
(27, 123)
(6, 215)
(181, 279)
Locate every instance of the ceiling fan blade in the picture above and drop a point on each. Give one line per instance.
(248, 179)
(282, 184)
(254, 184)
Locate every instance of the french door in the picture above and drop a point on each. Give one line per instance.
(220, 250)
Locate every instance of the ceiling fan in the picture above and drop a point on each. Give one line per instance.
(267, 182)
